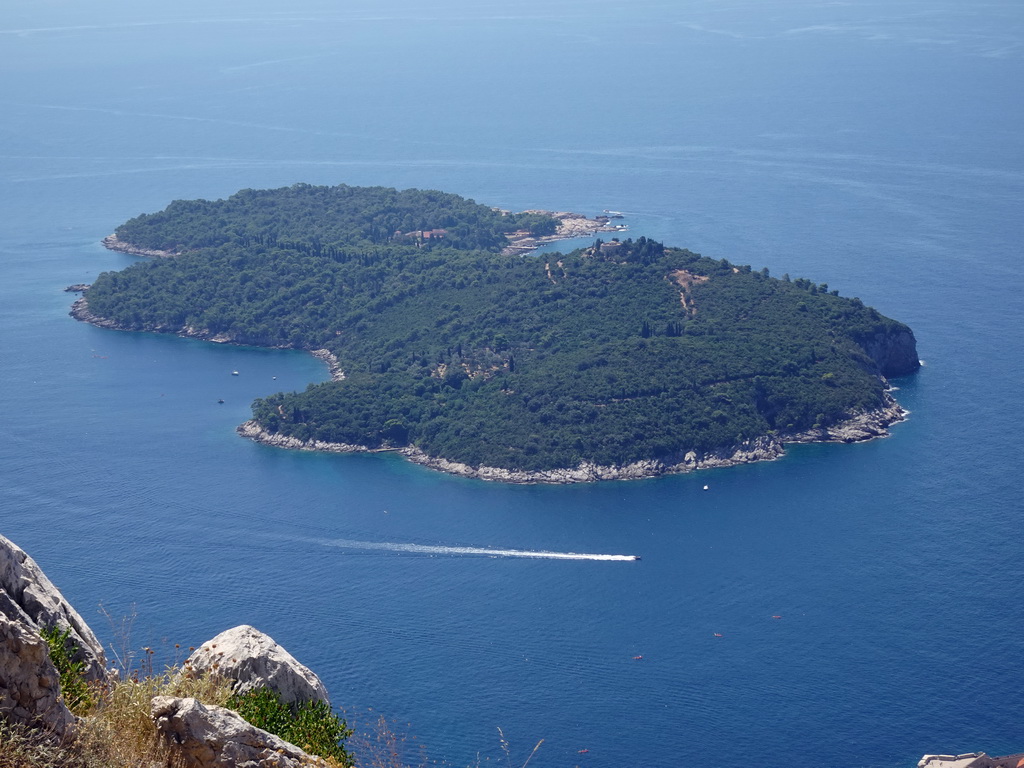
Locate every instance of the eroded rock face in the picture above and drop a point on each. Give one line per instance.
(253, 659)
(205, 736)
(29, 683)
(27, 597)
(895, 354)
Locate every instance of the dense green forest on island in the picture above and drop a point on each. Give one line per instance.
(611, 354)
(315, 220)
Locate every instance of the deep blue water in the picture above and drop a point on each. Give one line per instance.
(874, 146)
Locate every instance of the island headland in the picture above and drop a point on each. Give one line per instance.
(625, 359)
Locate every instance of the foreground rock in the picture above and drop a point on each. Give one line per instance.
(970, 760)
(29, 683)
(202, 736)
(28, 598)
(253, 660)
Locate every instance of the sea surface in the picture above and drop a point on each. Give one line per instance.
(868, 598)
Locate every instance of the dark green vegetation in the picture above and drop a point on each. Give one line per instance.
(311, 725)
(319, 220)
(609, 355)
(78, 697)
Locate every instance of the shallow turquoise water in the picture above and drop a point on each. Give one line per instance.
(873, 147)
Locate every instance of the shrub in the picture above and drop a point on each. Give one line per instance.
(310, 725)
(78, 695)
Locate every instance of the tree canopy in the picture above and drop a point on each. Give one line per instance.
(611, 354)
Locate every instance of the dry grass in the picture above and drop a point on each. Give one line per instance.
(119, 732)
(25, 748)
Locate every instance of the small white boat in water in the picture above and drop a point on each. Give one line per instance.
(234, 373)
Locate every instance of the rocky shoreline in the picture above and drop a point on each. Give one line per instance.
(112, 243)
(80, 311)
(252, 430)
(333, 366)
(858, 428)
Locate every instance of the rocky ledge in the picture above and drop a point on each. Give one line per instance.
(80, 311)
(255, 432)
(855, 429)
(200, 735)
(971, 760)
(112, 243)
(332, 363)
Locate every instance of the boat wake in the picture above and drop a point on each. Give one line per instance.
(426, 549)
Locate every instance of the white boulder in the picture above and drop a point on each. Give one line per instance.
(206, 736)
(253, 659)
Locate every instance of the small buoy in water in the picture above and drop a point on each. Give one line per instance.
(705, 488)
(221, 402)
(234, 373)
(274, 378)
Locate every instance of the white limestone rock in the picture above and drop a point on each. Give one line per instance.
(29, 683)
(207, 736)
(967, 760)
(28, 597)
(253, 659)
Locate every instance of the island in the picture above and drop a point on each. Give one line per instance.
(451, 342)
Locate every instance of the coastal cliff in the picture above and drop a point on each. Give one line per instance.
(894, 352)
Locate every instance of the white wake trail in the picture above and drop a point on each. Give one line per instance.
(425, 549)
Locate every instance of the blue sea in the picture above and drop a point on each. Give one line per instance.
(875, 146)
